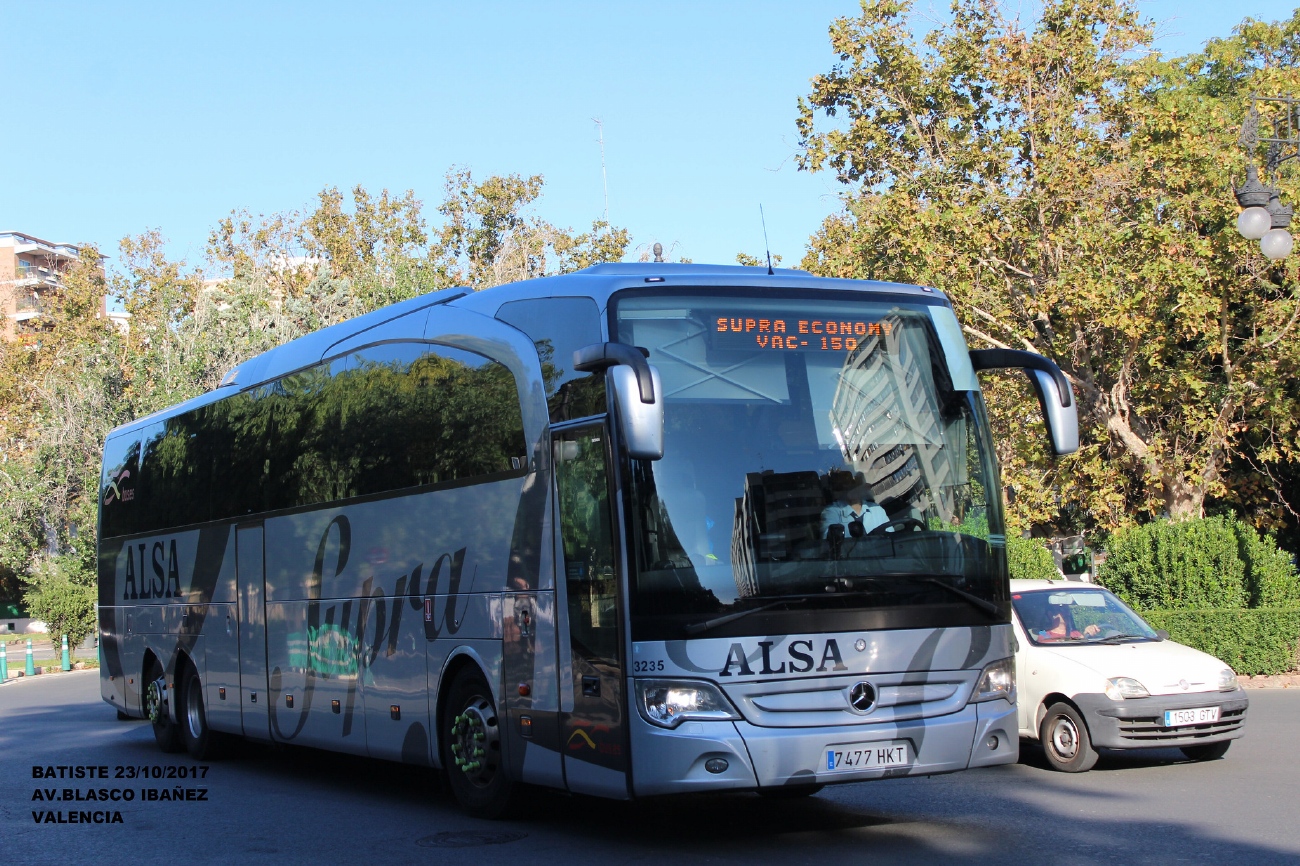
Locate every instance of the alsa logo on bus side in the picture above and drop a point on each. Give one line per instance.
(799, 658)
(165, 582)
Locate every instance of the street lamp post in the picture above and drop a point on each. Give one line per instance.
(1263, 216)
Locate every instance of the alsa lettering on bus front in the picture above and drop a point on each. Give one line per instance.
(796, 657)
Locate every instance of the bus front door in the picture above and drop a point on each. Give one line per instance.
(594, 734)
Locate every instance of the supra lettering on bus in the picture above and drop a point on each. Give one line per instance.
(340, 646)
(799, 658)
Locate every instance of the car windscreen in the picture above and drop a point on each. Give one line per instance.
(1074, 616)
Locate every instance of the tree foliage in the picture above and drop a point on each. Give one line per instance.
(269, 279)
(1069, 189)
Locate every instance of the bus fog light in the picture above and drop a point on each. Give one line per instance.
(668, 703)
(992, 742)
(716, 765)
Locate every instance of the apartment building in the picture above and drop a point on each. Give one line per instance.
(31, 273)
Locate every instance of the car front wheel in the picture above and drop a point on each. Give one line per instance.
(1065, 740)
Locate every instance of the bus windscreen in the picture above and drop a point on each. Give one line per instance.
(818, 461)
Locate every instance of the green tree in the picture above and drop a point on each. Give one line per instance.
(280, 276)
(1069, 190)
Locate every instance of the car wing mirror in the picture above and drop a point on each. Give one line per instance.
(638, 394)
(1055, 396)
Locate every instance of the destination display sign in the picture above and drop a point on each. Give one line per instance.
(794, 333)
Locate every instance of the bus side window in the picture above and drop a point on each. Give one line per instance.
(558, 327)
(117, 487)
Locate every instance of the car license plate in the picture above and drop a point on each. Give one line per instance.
(1195, 716)
(868, 756)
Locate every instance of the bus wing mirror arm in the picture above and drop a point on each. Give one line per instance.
(636, 388)
(1055, 396)
(601, 356)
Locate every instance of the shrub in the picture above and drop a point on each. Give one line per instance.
(1271, 578)
(1251, 642)
(1167, 565)
(1029, 559)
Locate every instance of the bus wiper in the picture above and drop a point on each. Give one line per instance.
(982, 603)
(697, 627)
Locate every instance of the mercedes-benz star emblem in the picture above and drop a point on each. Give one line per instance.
(862, 696)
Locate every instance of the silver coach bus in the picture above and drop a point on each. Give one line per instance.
(637, 530)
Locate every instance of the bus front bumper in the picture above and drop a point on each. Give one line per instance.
(716, 756)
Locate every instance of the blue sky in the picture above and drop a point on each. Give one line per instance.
(128, 116)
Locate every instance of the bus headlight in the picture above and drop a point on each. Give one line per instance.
(1119, 688)
(668, 703)
(997, 681)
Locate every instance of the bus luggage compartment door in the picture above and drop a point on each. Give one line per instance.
(253, 697)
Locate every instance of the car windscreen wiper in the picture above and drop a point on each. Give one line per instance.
(698, 627)
(1122, 638)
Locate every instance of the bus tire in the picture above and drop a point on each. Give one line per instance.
(199, 740)
(1065, 740)
(165, 732)
(471, 748)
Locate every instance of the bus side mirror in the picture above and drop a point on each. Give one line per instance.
(642, 424)
(1055, 396)
(638, 394)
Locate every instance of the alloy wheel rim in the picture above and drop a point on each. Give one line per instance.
(154, 701)
(475, 742)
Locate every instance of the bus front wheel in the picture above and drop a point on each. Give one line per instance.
(471, 748)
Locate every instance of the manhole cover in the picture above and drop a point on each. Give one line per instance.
(468, 839)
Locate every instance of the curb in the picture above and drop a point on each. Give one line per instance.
(45, 674)
(1277, 681)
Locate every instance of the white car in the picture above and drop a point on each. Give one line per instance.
(1090, 673)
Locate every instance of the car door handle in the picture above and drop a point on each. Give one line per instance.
(591, 687)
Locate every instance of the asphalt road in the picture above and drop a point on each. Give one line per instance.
(299, 806)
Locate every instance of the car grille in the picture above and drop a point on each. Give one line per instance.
(1151, 729)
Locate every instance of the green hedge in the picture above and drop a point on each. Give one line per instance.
(1252, 642)
(1168, 565)
(1029, 559)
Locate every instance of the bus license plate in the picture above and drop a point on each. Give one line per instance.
(1195, 716)
(868, 756)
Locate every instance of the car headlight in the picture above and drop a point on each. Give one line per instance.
(668, 703)
(1119, 688)
(998, 680)
(1227, 680)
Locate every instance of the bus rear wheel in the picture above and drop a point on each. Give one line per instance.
(199, 739)
(471, 748)
(156, 701)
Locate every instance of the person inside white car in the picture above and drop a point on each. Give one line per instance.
(1058, 626)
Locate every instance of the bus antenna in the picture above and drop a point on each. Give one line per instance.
(767, 248)
(604, 180)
